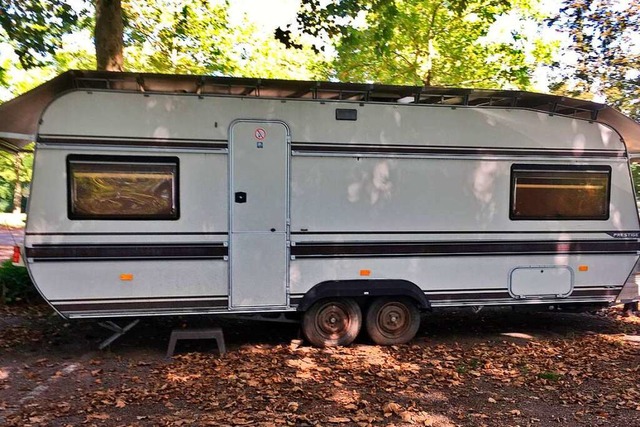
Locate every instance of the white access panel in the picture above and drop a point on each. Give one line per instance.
(259, 214)
(531, 282)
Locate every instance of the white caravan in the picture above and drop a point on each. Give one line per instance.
(357, 205)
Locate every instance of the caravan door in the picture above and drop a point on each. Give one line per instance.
(258, 252)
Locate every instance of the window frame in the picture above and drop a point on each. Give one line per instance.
(126, 160)
(557, 168)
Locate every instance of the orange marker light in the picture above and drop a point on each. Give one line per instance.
(365, 272)
(583, 268)
(16, 254)
(126, 277)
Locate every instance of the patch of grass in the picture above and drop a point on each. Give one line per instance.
(466, 367)
(550, 375)
(15, 284)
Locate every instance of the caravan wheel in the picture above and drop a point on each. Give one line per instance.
(392, 321)
(332, 322)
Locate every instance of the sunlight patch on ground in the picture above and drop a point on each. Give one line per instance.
(370, 354)
(518, 335)
(347, 398)
(182, 378)
(635, 339)
(306, 368)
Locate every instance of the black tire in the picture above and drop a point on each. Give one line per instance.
(332, 322)
(392, 321)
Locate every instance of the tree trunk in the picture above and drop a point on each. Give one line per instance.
(17, 190)
(108, 35)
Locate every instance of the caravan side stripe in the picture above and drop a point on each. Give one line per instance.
(126, 252)
(319, 148)
(468, 248)
(140, 305)
(213, 144)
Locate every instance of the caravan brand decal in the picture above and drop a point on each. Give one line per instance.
(625, 234)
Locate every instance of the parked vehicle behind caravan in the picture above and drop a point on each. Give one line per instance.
(358, 206)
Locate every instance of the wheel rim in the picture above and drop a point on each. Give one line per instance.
(393, 319)
(332, 320)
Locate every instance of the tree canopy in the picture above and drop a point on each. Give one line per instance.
(481, 43)
(604, 51)
(472, 43)
(35, 28)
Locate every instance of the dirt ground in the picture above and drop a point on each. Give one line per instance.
(499, 368)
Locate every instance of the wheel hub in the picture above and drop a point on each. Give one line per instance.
(393, 319)
(332, 319)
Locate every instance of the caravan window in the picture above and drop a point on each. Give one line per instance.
(560, 192)
(122, 187)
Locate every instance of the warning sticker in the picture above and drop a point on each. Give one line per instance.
(260, 134)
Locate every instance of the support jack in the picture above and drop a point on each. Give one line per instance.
(118, 331)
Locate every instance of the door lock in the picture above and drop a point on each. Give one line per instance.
(241, 197)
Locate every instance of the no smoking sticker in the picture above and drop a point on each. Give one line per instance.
(260, 134)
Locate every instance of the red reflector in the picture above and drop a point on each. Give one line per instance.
(16, 254)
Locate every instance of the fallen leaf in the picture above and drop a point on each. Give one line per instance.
(98, 417)
(339, 420)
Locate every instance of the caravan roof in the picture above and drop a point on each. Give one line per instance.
(19, 118)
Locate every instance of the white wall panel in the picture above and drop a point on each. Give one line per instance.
(101, 280)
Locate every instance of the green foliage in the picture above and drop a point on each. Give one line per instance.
(635, 173)
(604, 40)
(197, 38)
(13, 167)
(430, 42)
(549, 375)
(35, 27)
(178, 36)
(15, 284)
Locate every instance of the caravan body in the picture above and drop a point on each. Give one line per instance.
(268, 198)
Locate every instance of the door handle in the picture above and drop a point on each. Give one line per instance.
(241, 197)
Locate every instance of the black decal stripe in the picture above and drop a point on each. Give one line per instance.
(150, 142)
(608, 293)
(126, 252)
(475, 248)
(134, 233)
(144, 305)
(469, 295)
(495, 294)
(165, 298)
(505, 296)
(460, 151)
(595, 292)
(618, 235)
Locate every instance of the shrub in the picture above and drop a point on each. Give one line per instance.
(15, 284)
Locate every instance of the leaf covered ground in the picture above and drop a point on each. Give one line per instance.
(499, 368)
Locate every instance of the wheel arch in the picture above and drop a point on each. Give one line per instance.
(359, 288)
